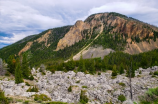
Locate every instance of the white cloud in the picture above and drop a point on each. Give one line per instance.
(21, 18)
(16, 37)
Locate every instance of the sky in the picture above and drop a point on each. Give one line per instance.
(21, 18)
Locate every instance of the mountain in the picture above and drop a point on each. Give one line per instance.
(97, 36)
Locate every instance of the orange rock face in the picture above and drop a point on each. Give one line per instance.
(125, 26)
(43, 38)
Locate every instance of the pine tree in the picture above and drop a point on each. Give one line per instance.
(11, 64)
(18, 74)
(114, 72)
(25, 68)
(80, 62)
(92, 67)
(121, 68)
(83, 66)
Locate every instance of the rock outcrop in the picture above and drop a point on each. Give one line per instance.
(141, 47)
(43, 38)
(99, 89)
(115, 24)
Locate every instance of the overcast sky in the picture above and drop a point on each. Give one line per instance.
(20, 18)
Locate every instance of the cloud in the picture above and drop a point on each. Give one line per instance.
(15, 37)
(21, 18)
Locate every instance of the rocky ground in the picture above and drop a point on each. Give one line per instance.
(99, 88)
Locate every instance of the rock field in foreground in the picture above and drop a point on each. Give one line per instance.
(99, 88)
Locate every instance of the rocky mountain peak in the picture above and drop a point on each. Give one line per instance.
(114, 23)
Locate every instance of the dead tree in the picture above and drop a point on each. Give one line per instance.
(130, 84)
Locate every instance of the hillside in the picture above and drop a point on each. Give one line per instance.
(114, 31)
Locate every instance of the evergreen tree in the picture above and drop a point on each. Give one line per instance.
(70, 64)
(80, 62)
(114, 72)
(25, 67)
(11, 64)
(18, 74)
(121, 68)
(83, 66)
(3, 99)
(92, 67)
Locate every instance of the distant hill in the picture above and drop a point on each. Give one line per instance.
(112, 31)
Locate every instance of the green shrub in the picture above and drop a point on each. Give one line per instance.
(7, 73)
(140, 72)
(26, 102)
(78, 81)
(156, 73)
(41, 97)
(83, 97)
(43, 73)
(56, 103)
(151, 97)
(70, 89)
(84, 87)
(27, 84)
(121, 98)
(99, 73)
(122, 84)
(151, 73)
(31, 77)
(3, 99)
(33, 89)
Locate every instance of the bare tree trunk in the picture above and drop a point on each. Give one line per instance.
(130, 82)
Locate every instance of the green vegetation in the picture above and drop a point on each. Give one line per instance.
(122, 84)
(18, 74)
(27, 84)
(113, 41)
(151, 97)
(3, 99)
(70, 89)
(84, 87)
(122, 98)
(156, 73)
(114, 72)
(33, 89)
(41, 97)
(25, 69)
(56, 103)
(83, 97)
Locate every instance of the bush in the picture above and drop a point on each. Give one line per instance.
(3, 99)
(84, 87)
(121, 98)
(7, 73)
(70, 89)
(122, 84)
(78, 81)
(151, 97)
(41, 97)
(33, 89)
(83, 97)
(156, 73)
(27, 84)
(99, 73)
(31, 77)
(26, 102)
(56, 103)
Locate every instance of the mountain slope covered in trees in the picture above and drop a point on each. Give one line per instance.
(113, 30)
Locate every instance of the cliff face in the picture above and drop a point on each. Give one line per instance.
(43, 38)
(114, 23)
